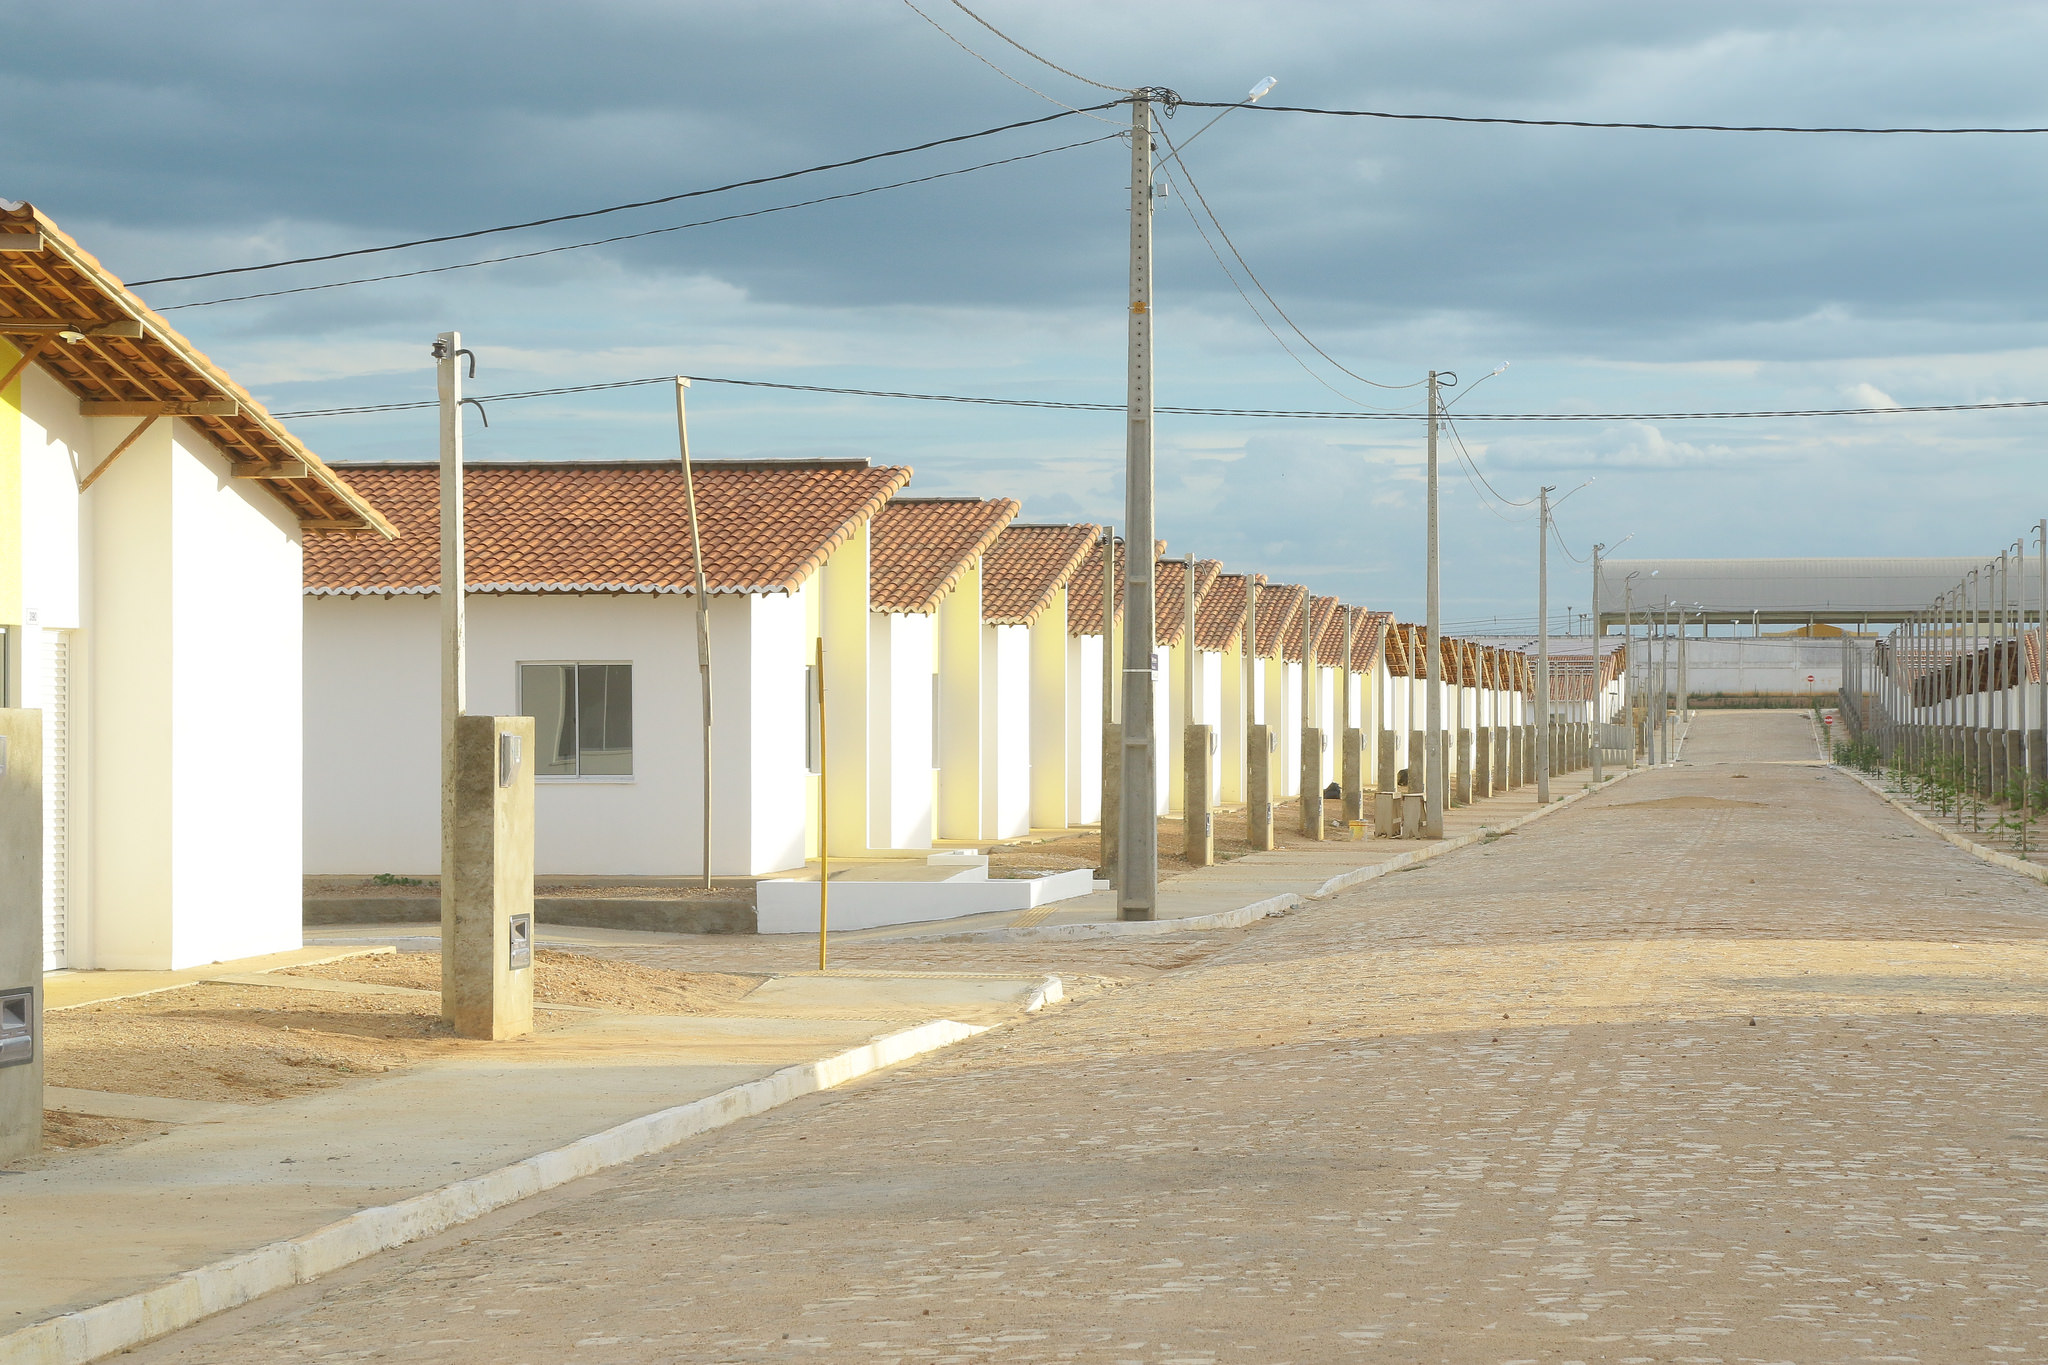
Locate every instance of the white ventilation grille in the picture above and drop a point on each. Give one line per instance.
(56, 701)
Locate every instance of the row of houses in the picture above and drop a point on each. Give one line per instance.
(962, 652)
(233, 648)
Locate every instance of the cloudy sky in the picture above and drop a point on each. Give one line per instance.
(1618, 271)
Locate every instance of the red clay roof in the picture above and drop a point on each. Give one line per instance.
(1219, 616)
(61, 282)
(1084, 603)
(921, 546)
(1369, 636)
(1169, 612)
(1278, 605)
(1321, 615)
(606, 527)
(1027, 565)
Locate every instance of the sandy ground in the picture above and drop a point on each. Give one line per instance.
(1731, 1063)
(1084, 848)
(248, 1044)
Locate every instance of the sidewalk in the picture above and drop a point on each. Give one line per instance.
(1245, 889)
(229, 1201)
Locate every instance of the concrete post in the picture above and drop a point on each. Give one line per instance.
(1482, 763)
(487, 895)
(1312, 781)
(1385, 813)
(1196, 809)
(1529, 753)
(1354, 774)
(1416, 776)
(1112, 795)
(1258, 804)
(1388, 768)
(21, 933)
(1461, 784)
(1503, 777)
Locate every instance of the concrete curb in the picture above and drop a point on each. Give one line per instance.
(123, 1323)
(1960, 840)
(1047, 992)
(1272, 905)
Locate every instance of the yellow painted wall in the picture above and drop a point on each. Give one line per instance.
(10, 492)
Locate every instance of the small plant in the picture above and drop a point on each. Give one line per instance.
(386, 879)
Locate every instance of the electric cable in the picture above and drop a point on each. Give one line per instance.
(1021, 85)
(1594, 123)
(1471, 470)
(630, 236)
(1277, 338)
(1558, 536)
(1186, 411)
(1188, 175)
(617, 208)
(1071, 75)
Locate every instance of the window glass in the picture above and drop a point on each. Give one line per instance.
(604, 710)
(547, 692)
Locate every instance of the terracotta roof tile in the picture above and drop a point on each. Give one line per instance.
(1279, 604)
(1219, 616)
(1169, 613)
(1084, 603)
(606, 527)
(1028, 564)
(1368, 638)
(921, 546)
(1322, 614)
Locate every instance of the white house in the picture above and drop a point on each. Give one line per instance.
(1027, 575)
(1088, 591)
(151, 515)
(951, 698)
(581, 614)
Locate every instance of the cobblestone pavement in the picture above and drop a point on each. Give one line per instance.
(1729, 1063)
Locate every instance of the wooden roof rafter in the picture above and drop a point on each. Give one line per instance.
(124, 352)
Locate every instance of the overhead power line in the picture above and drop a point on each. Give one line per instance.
(954, 39)
(1594, 123)
(631, 236)
(617, 208)
(1275, 413)
(1042, 61)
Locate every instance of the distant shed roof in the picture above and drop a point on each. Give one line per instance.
(1784, 591)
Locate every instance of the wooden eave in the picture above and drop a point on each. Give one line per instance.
(61, 282)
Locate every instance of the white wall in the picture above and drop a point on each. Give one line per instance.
(1006, 731)
(904, 659)
(1049, 715)
(372, 727)
(1084, 729)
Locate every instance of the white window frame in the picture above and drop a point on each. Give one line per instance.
(580, 779)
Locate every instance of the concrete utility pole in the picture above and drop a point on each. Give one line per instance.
(448, 353)
(1109, 817)
(703, 613)
(1138, 846)
(1433, 740)
(1598, 671)
(1543, 643)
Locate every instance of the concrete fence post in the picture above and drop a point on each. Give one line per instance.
(1196, 808)
(21, 933)
(487, 904)
(1354, 774)
(1312, 781)
(1258, 800)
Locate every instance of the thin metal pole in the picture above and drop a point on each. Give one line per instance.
(824, 843)
(1543, 645)
(703, 612)
(1433, 738)
(1138, 847)
(1598, 671)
